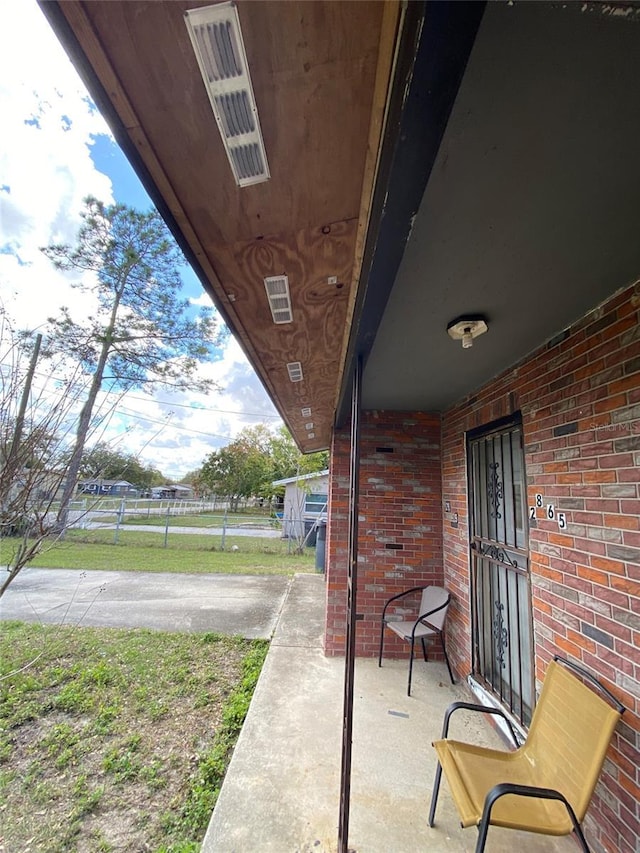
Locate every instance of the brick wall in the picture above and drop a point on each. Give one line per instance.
(400, 540)
(580, 403)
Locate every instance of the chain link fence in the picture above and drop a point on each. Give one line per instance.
(117, 518)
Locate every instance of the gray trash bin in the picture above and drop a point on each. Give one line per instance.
(310, 534)
(321, 543)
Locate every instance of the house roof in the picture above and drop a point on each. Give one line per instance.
(301, 478)
(100, 482)
(427, 161)
(173, 488)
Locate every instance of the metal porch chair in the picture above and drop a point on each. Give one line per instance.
(545, 785)
(429, 622)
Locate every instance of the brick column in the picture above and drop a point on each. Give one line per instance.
(400, 521)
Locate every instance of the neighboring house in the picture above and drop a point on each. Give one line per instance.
(106, 488)
(435, 169)
(305, 502)
(173, 492)
(35, 486)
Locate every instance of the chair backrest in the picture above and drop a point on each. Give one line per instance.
(569, 735)
(432, 597)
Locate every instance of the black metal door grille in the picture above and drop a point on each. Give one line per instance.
(501, 593)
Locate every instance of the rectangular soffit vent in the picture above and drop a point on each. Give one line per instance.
(295, 371)
(217, 41)
(277, 287)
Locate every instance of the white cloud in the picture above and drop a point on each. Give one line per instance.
(48, 121)
(45, 164)
(202, 301)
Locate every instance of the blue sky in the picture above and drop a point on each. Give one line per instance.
(55, 149)
(127, 189)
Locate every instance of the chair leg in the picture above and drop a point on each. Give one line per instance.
(434, 795)
(446, 657)
(410, 668)
(381, 642)
(482, 834)
(581, 839)
(424, 648)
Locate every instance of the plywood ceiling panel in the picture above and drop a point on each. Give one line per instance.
(313, 88)
(311, 259)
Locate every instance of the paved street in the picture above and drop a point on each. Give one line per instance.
(248, 605)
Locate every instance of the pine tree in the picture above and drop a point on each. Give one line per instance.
(143, 332)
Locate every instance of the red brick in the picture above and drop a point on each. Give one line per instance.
(599, 476)
(592, 575)
(611, 404)
(627, 522)
(607, 565)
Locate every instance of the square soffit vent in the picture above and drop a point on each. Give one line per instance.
(217, 41)
(295, 371)
(277, 287)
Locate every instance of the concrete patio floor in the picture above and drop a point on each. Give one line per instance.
(281, 792)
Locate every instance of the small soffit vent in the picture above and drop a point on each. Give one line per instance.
(306, 412)
(277, 287)
(217, 42)
(295, 371)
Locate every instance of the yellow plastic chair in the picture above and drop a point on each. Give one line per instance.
(545, 785)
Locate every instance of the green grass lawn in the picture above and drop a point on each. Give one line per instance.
(117, 739)
(188, 553)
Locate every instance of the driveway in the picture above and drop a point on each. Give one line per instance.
(247, 605)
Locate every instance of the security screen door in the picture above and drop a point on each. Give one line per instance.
(500, 588)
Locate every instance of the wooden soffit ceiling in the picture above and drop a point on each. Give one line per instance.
(320, 72)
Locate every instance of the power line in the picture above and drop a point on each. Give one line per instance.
(192, 407)
(167, 423)
(204, 408)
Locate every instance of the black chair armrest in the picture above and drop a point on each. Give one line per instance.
(584, 673)
(470, 706)
(401, 595)
(423, 616)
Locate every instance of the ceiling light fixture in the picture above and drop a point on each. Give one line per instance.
(217, 42)
(466, 328)
(277, 287)
(306, 412)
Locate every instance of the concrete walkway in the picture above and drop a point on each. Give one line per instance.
(281, 792)
(248, 605)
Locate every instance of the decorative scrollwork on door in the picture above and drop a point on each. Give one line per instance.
(500, 634)
(495, 490)
(496, 553)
